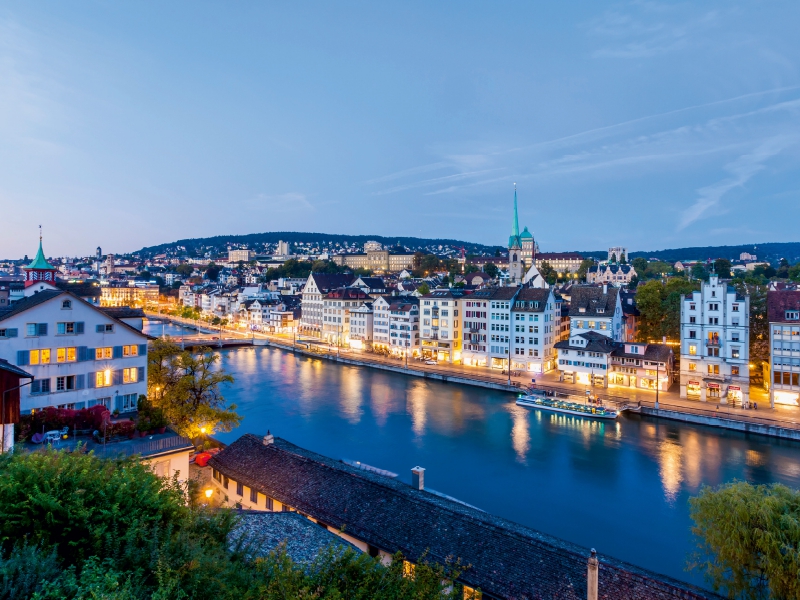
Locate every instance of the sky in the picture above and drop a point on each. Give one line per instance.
(643, 124)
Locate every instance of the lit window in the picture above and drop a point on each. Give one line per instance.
(61, 355)
(130, 375)
(692, 350)
(103, 353)
(103, 378)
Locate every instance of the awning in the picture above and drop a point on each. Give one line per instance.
(713, 385)
(694, 383)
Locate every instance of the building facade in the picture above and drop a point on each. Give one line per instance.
(475, 308)
(536, 322)
(612, 274)
(127, 294)
(441, 325)
(361, 326)
(317, 285)
(500, 330)
(404, 326)
(562, 262)
(337, 305)
(783, 312)
(378, 261)
(715, 342)
(79, 355)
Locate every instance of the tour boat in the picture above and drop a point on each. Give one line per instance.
(561, 406)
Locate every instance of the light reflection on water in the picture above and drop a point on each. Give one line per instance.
(621, 487)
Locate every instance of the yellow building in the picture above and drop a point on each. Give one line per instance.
(114, 294)
(378, 261)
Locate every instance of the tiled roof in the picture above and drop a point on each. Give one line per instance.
(84, 290)
(347, 294)
(24, 304)
(123, 312)
(778, 302)
(537, 296)
(597, 342)
(448, 294)
(326, 282)
(507, 560)
(504, 293)
(592, 300)
(302, 539)
(652, 352)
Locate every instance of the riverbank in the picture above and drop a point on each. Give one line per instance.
(724, 419)
(783, 423)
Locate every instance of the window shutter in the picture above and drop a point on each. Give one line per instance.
(41, 329)
(82, 353)
(116, 377)
(79, 327)
(117, 351)
(99, 328)
(11, 332)
(92, 380)
(142, 349)
(80, 382)
(22, 357)
(118, 403)
(36, 386)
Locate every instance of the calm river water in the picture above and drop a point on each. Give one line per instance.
(621, 487)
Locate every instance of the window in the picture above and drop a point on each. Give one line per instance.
(693, 366)
(734, 370)
(35, 329)
(692, 349)
(692, 319)
(69, 328)
(105, 328)
(692, 306)
(103, 353)
(692, 334)
(253, 496)
(39, 357)
(129, 402)
(66, 304)
(130, 375)
(735, 308)
(734, 352)
(66, 355)
(240, 488)
(225, 481)
(65, 383)
(8, 333)
(713, 369)
(792, 315)
(103, 378)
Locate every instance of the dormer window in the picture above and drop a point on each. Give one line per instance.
(601, 310)
(792, 315)
(582, 309)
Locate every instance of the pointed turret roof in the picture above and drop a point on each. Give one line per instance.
(40, 262)
(513, 239)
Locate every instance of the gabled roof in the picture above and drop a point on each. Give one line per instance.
(330, 281)
(595, 342)
(40, 298)
(532, 299)
(507, 560)
(504, 293)
(123, 312)
(778, 302)
(593, 301)
(345, 293)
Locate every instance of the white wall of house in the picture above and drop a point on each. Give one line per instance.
(78, 355)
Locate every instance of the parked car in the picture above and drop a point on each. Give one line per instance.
(431, 362)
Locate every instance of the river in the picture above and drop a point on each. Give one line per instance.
(621, 487)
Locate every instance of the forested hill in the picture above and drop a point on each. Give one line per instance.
(772, 252)
(253, 240)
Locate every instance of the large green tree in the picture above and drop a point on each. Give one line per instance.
(186, 386)
(659, 307)
(491, 269)
(759, 325)
(749, 540)
(586, 263)
(548, 273)
(722, 266)
(640, 266)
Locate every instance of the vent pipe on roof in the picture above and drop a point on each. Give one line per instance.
(418, 478)
(591, 578)
(268, 439)
(605, 288)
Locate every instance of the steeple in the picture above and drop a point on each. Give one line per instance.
(515, 228)
(39, 269)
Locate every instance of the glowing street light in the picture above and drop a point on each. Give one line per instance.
(209, 492)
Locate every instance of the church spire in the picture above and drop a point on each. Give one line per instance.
(515, 228)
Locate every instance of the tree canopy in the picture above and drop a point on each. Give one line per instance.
(749, 540)
(185, 386)
(659, 308)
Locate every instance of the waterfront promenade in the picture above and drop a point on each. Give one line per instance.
(671, 405)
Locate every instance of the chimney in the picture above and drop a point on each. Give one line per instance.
(268, 439)
(591, 577)
(605, 288)
(418, 478)
(664, 340)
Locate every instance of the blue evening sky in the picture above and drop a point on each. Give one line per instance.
(643, 124)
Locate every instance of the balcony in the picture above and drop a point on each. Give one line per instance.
(715, 343)
(716, 377)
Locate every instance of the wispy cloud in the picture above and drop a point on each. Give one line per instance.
(742, 170)
(290, 202)
(433, 181)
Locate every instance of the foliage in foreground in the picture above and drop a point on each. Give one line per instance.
(749, 540)
(75, 526)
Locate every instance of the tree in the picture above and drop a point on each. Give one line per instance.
(613, 258)
(212, 271)
(634, 283)
(651, 311)
(583, 269)
(722, 266)
(548, 273)
(184, 270)
(362, 272)
(794, 272)
(622, 260)
(491, 269)
(749, 539)
(424, 288)
(639, 265)
(471, 268)
(783, 269)
(186, 387)
(699, 272)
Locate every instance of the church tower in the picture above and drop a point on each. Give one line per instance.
(39, 269)
(515, 258)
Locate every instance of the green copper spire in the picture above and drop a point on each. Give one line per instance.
(40, 262)
(515, 229)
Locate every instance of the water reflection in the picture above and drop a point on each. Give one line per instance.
(563, 475)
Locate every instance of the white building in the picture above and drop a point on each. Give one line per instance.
(317, 285)
(715, 340)
(380, 322)
(337, 305)
(361, 326)
(440, 330)
(783, 312)
(404, 325)
(536, 321)
(500, 326)
(79, 355)
(240, 255)
(595, 308)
